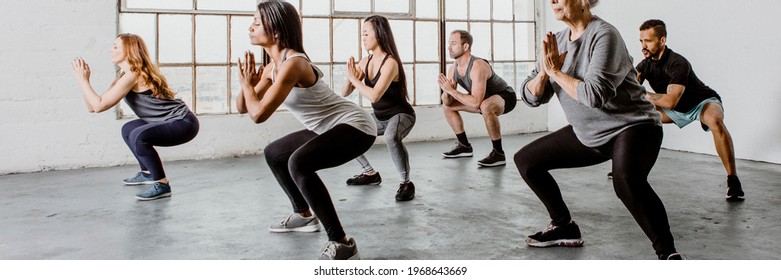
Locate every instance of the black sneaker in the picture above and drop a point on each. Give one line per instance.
(459, 150)
(567, 236)
(493, 159)
(364, 179)
(406, 191)
(610, 175)
(734, 189)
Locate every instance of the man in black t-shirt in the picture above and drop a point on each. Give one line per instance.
(682, 98)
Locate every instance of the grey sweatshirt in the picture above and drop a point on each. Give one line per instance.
(610, 99)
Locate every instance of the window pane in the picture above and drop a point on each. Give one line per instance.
(392, 6)
(426, 87)
(340, 79)
(524, 41)
(506, 71)
(180, 80)
(317, 39)
(142, 25)
(503, 9)
(235, 88)
(503, 41)
(409, 72)
(427, 9)
(522, 71)
(456, 9)
(156, 4)
(296, 3)
(479, 9)
(176, 36)
(228, 5)
(524, 10)
(210, 35)
(402, 32)
(316, 7)
(352, 5)
(212, 90)
(481, 34)
(426, 41)
(346, 42)
(240, 39)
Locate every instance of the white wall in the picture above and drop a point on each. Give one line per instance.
(732, 48)
(44, 124)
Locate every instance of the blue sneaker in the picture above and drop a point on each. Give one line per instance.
(155, 191)
(141, 178)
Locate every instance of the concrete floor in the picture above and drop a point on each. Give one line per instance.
(221, 208)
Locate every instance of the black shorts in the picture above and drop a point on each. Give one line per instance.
(510, 100)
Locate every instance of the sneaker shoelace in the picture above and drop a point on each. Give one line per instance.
(286, 220)
(549, 228)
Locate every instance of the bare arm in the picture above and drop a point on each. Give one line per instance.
(389, 70)
(263, 103)
(480, 74)
(668, 100)
(99, 103)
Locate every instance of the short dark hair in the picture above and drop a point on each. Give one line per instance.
(466, 38)
(660, 29)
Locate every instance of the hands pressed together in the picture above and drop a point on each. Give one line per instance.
(249, 74)
(446, 84)
(354, 75)
(552, 60)
(81, 69)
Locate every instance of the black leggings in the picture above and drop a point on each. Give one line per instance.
(141, 137)
(296, 158)
(633, 151)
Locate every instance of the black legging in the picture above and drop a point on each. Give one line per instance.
(633, 151)
(141, 137)
(296, 158)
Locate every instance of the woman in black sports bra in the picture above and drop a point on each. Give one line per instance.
(380, 78)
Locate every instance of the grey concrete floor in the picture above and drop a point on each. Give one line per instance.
(221, 208)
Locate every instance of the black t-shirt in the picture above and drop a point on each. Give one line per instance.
(672, 68)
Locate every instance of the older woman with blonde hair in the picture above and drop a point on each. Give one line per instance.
(587, 66)
(162, 120)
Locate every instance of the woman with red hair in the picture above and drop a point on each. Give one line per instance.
(162, 120)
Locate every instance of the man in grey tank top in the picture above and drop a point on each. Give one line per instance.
(487, 94)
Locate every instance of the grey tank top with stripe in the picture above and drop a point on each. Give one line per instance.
(495, 84)
(319, 108)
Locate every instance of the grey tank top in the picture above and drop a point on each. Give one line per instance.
(152, 109)
(494, 85)
(319, 109)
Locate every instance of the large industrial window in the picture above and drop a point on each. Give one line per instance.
(197, 42)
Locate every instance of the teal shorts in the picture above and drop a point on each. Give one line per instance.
(683, 119)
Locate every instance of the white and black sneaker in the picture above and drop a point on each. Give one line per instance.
(493, 159)
(459, 150)
(567, 236)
